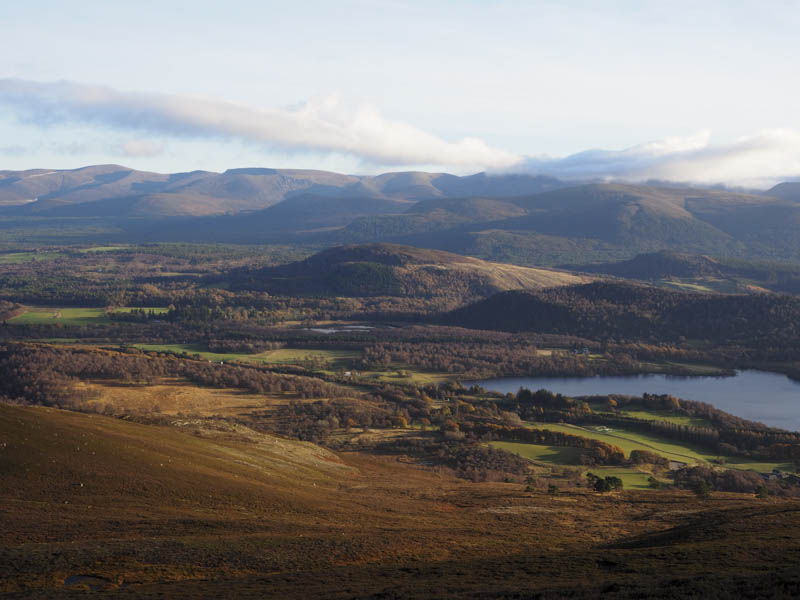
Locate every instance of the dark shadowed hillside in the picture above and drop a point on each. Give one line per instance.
(307, 212)
(789, 190)
(658, 265)
(629, 311)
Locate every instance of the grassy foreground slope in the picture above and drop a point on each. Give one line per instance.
(144, 511)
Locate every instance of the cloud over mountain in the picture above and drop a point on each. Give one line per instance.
(331, 124)
(757, 160)
(324, 124)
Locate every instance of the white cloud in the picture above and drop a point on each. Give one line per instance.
(138, 148)
(329, 127)
(758, 160)
(327, 123)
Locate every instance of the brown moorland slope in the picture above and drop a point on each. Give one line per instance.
(196, 510)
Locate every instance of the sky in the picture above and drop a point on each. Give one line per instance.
(685, 91)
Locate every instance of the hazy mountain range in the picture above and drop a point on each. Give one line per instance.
(105, 190)
(525, 219)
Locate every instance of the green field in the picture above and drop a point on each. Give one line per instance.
(407, 374)
(670, 449)
(16, 258)
(649, 415)
(327, 359)
(192, 349)
(658, 415)
(683, 368)
(564, 456)
(66, 316)
(40, 315)
(159, 310)
(702, 285)
(631, 478)
(102, 249)
(745, 464)
(628, 440)
(554, 455)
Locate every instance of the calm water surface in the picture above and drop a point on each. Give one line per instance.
(756, 395)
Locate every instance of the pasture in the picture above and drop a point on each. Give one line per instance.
(330, 360)
(671, 449)
(563, 456)
(193, 350)
(65, 316)
(47, 315)
(18, 258)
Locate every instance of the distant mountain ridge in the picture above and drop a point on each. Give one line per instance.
(520, 219)
(105, 190)
(590, 222)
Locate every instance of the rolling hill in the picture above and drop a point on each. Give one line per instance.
(394, 270)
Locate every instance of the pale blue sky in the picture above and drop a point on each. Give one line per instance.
(527, 79)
